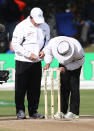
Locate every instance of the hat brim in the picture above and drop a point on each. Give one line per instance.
(39, 20)
(63, 59)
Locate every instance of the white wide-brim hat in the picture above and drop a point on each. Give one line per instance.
(63, 51)
(37, 14)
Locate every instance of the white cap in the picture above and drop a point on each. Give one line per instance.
(37, 14)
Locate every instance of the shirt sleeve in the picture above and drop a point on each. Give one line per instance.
(47, 34)
(48, 58)
(17, 41)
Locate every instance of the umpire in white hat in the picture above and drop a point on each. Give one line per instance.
(29, 38)
(70, 55)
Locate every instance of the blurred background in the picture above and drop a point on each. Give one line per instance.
(68, 18)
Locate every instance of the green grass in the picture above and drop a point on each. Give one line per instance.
(7, 105)
(87, 102)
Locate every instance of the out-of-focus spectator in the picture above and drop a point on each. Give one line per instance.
(3, 39)
(11, 15)
(2, 28)
(21, 5)
(87, 20)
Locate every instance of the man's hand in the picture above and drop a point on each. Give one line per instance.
(46, 67)
(33, 57)
(41, 54)
(62, 69)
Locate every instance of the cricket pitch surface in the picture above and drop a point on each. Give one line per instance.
(84, 123)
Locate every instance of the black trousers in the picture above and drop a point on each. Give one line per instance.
(27, 80)
(70, 91)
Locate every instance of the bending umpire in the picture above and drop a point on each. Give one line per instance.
(70, 55)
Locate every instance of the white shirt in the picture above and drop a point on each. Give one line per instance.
(72, 63)
(28, 39)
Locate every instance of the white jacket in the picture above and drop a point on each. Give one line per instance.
(28, 39)
(76, 60)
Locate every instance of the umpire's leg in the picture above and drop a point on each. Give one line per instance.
(65, 90)
(21, 78)
(33, 90)
(75, 91)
